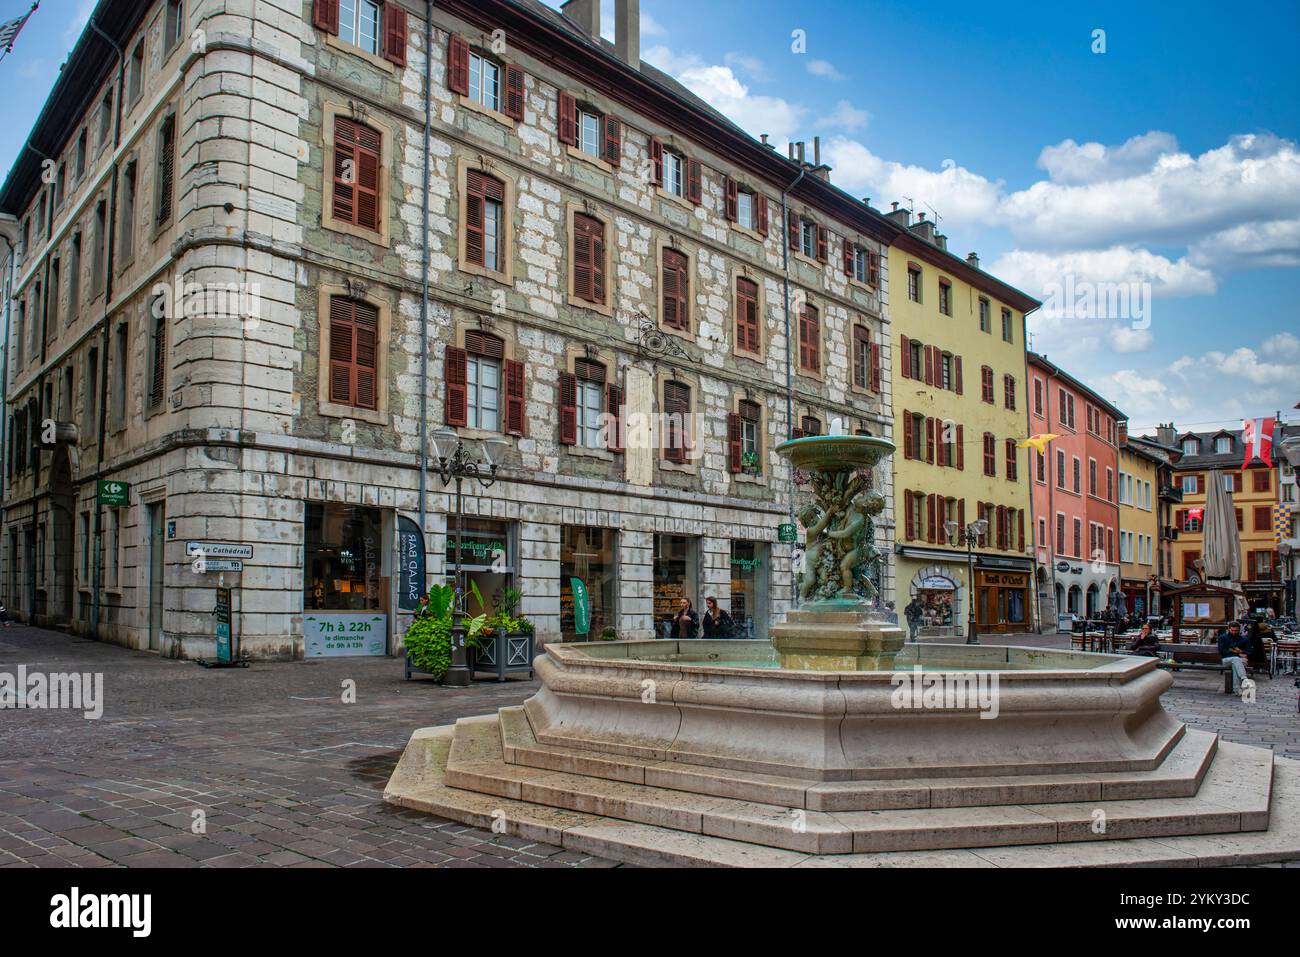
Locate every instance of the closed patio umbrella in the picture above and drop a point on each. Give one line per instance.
(1221, 553)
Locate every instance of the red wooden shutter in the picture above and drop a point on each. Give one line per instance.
(746, 314)
(941, 449)
(568, 109)
(961, 514)
(909, 512)
(325, 15)
(475, 199)
(848, 257)
(613, 141)
(961, 447)
(568, 408)
(614, 408)
(792, 228)
(514, 397)
(366, 362)
(931, 517)
(760, 210)
(733, 199)
(356, 173)
(905, 347)
(456, 377)
(1020, 520)
(657, 161)
(823, 244)
(875, 367)
(908, 450)
(873, 268)
(929, 440)
(956, 366)
(514, 101)
(457, 64)
(588, 259)
(676, 272)
(395, 34)
(929, 365)
(677, 407)
(734, 444)
(694, 182)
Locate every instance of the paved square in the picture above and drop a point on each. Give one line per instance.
(286, 774)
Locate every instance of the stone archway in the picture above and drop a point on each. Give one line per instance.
(62, 498)
(931, 582)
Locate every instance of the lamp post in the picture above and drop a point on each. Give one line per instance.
(1287, 552)
(456, 463)
(970, 535)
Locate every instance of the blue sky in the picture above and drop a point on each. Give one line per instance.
(1170, 159)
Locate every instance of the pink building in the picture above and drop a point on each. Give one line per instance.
(1074, 493)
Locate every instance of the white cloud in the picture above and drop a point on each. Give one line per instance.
(751, 66)
(1283, 345)
(1128, 339)
(1250, 246)
(845, 116)
(1073, 163)
(1036, 272)
(824, 69)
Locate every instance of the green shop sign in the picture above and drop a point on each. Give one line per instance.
(481, 549)
(112, 493)
(581, 607)
(747, 562)
(786, 532)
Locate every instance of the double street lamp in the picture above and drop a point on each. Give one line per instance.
(456, 462)
(971, 535)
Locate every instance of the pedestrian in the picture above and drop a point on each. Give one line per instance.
(4, 614)
(913, 613)
(1146, 643)
(1234, 650)
(685, 623)
(717, 623)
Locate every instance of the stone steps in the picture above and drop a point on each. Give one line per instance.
(1178, 776)
(1233, 797)
(419, 782)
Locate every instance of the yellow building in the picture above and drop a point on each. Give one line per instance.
(960, 406)
(1254, 493)
(1139, 524)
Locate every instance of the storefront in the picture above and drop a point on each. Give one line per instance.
(750, 579)
(487, 559)
(346, 580)
(676, 575)
(1002, 601)
(588, 555)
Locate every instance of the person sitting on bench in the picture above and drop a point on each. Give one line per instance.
(1146, 643)
(1234, 650)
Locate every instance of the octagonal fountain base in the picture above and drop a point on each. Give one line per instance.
(706, 752)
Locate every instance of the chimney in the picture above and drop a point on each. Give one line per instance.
(900, 216)
(801, 152)
(1122, 431)
(941, 241)
(924, 228)
(973, 261)
(627, 31)
(586, 14)
(817, 151)
(1166, 435)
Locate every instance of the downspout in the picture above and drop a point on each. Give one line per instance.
(424, 285)
(1029, 431)
(789, 358)
(12, 257)
(111, 239)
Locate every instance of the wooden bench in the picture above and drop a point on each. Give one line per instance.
(1195, 657)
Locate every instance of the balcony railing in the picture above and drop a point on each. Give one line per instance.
(1171, 493)
(1169, 533)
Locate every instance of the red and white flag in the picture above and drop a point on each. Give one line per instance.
(1257, 436)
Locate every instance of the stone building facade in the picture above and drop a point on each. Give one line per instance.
(227, 256)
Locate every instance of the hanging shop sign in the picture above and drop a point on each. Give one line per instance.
(581, 607)
(112, 493)
(787, 532)
(410, 551)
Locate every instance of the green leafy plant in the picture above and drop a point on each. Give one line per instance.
(503, 618)
(428, 640)
(609, 633)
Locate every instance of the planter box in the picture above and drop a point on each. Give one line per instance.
(412, 670)
(503, 653)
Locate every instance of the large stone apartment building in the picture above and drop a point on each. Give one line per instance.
(260, 253)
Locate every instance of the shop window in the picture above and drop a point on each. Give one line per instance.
(589, 556)
(343, 548)
(676, 576)
(749, 588)
(486, 559)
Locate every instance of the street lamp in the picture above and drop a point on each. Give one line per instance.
(457, 462)
(970, 535)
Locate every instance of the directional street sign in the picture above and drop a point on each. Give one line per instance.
(222, 565)
(219, 549)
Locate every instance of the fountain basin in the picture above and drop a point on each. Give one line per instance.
(1011, 711)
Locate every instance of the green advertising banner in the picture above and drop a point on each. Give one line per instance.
(581, 608)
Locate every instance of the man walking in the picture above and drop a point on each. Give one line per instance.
(1234, 650)
(913, 613)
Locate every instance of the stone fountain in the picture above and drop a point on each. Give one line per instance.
(839, 743)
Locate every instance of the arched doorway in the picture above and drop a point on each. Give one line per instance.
(63, 544)
(1075, 600)
(1094, 595)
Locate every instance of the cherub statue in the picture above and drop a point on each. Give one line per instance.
(857, 532)
(814, 522)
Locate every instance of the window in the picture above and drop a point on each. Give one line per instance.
(97, 250)
(810, 339)
(1110, 485)
(917, 352)
(866, 360)
(746, 428)
(588, 256)
(484, 220)
(74, 276)
(66, 396)
(353, 353)
(91, 399)
(1092, 476)
(747, 325)
(158, 363)
(676, 290)
(1191, 484)
(1261, 482)
(589, 388)
(359, 25)
(1077, 475)
(1041, 463)
(990, 455)
(484, 82)
(1232, 481)
(80, 161)
(1060, 533)
(126, 229)
(1038, 396)
(674, 166)
(1012, 471)
(1189, 519)
(589, 135)
(53, 309)
(105, 119)
(20, 334)
(60, 185)
(166, 179)
(1009, 391)
(914, 283)
(1223, 445)
(945, 297)
(114, 549)
(677, 409)
(1078, 538)
(986, 384)
(85, 549)
(1191, 447)
(1006, 326)
(175, 23)
(862, 264)
(810, 425)
(483, 392)
(745, 210)
(986, 323)
(357, 157)
(946, 380)
(120, 372)
(135, 74)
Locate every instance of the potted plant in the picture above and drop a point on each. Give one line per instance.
(428, 640)
(609, 633)
(505, 643)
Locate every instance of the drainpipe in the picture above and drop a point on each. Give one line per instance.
(12, 256)
(789, 356)
(111, 240)
(424, 287)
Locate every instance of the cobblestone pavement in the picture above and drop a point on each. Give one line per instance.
(288, 775)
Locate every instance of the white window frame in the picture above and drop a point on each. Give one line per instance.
(808, 238)
(745, 210)
(493, 222)
(482, 401)
(674, 173)
(590, 401)
(351, 22)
